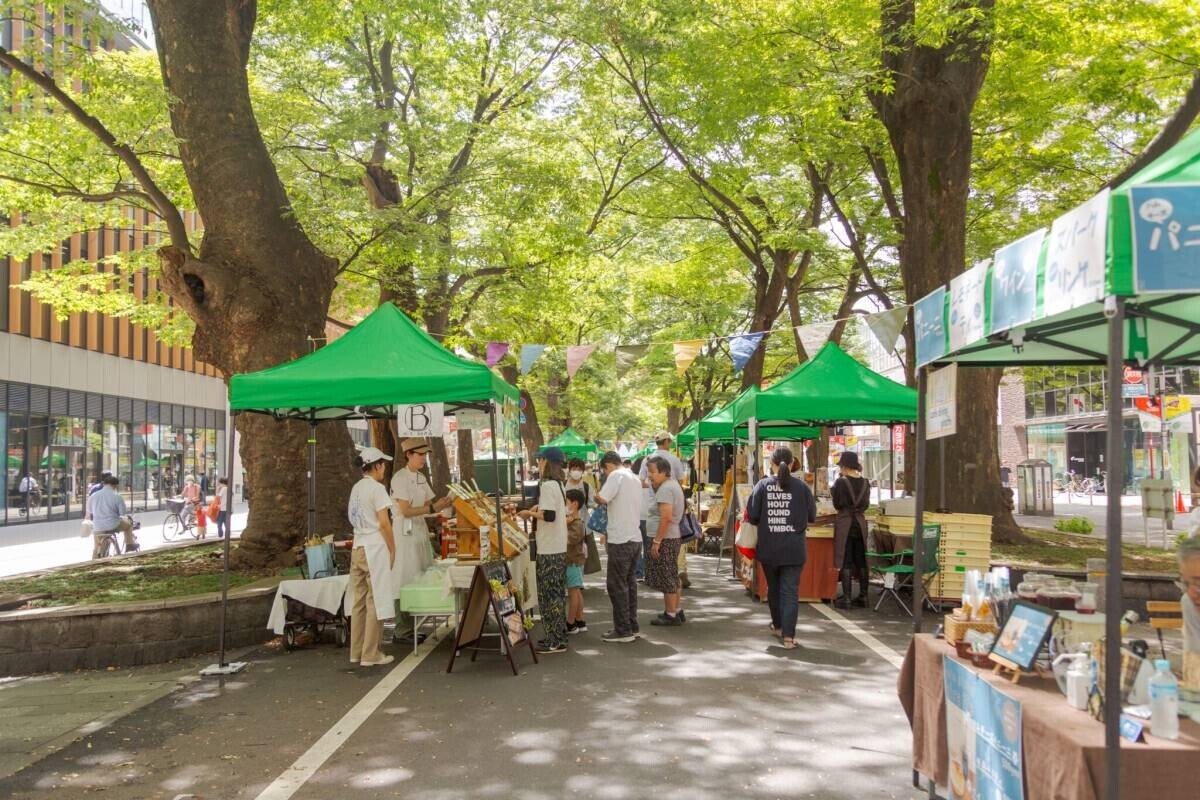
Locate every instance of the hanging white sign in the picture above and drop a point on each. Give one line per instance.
(472, 419)
(1075, 258)
(941, 412)
(420, 419)
(966, 307)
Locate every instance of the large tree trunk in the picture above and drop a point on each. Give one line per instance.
(928, 119)
(258, 288)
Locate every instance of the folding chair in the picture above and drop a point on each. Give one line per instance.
(903, 573)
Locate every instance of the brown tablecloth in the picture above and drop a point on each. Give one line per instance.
(1063, 748)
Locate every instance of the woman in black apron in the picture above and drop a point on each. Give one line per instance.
(851, 497)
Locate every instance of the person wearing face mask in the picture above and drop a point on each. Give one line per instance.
(577, 478)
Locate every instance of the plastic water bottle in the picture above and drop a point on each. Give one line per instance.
(1164, 701)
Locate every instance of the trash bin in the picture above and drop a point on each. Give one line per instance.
(1035, 488)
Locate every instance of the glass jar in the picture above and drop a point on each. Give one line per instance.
(1086, 604)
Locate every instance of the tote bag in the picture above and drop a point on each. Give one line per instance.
(592, 565)
(746, 540)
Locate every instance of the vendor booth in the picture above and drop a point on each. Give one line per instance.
(575, 446)
(829, 389)
(385, 367)
(1114, 282)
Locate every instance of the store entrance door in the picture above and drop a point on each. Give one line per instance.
(65, 483)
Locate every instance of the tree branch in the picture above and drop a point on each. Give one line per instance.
(165, 209)
(1171, 133)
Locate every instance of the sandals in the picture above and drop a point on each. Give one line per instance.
(789, 644)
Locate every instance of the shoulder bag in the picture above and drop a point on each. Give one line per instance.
(746, 540)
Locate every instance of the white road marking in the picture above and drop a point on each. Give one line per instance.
(851, 627)
(307, 765)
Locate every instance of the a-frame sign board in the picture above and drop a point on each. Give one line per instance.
(510, 619)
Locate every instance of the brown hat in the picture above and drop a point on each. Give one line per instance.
(414, 444)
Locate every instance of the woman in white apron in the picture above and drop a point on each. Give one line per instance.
(414, 499)
(371, 561)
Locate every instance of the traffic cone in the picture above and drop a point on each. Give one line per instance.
(1179, 509)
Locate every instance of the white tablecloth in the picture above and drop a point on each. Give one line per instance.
(522, 568)
(326, 594)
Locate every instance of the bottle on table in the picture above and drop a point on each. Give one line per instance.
(1164, 701)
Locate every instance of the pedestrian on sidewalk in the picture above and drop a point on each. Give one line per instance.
(551, 537)
(782, 506)
(662, 567)
(621, 494)
(222, 498)
(576, 558)
(851, 494)
(371, 561)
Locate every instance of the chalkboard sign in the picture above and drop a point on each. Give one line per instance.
(491, 590)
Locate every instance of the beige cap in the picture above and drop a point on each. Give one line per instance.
(662, 436)
(414, 444)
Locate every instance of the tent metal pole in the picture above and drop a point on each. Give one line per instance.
(228, 535)
(1114, 308)
(941, 474)
(312, 478)
(496, 470)
(752, 454)
(891, 462)
(918, 544)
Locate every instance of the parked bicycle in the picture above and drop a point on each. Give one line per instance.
(179, 521)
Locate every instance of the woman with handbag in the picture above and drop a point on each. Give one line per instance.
(781, 507)
(851, 495)
(551, 514)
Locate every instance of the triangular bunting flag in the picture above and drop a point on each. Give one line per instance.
(813, 336)
(495, 352)
(742, 348)
(886, 326)
(529, 354)
(628, 355)
(685, 353)
(576, 355)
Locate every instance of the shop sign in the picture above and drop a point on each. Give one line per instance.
(898, 438)
(1077, 403)
(929, 322)
(1177, 411)
(1014, 282)
(966, 307)
(941, 413)
(1075, 256)
(472, 420)
(420, 419)
(1133, 383)
(1166, 233)
(983, 736)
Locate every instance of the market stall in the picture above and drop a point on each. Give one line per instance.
(575, 446)
(1113, 282)
(829, 389)
(385, 367)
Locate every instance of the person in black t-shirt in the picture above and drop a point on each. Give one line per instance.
(851, 497)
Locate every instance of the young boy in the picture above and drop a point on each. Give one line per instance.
(576, 558)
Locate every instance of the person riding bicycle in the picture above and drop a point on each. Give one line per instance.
(191, 496)
(110, 515)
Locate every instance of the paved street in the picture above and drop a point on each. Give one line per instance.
(708, 710)
(38, 545)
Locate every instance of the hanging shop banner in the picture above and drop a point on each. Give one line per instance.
(941, 410)
(472, 420)
(929, 321)
(1150, 414)
(1075, 258)
(966, 307)
(1177, 413)
(1133, 383)
(420, 419)
(1014, 282)
(983, 737)
(1166, 233)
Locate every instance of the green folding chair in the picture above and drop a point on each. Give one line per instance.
(931, 540)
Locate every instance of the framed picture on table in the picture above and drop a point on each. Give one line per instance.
(1023, 636)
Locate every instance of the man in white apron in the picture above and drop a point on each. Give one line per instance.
(372, 560)
(414, 499)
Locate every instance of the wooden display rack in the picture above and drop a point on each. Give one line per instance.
(1013, 672)
(471, 518)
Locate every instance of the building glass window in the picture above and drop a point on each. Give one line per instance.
(18, 466)
(38, 457)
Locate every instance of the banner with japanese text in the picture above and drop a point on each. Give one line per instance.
(983, 736)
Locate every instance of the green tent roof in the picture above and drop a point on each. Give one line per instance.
(717, 427)
(382, 361)
(829, 389)
(1041, 299)
(687, 434)
(573, 445)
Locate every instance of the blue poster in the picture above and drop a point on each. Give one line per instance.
(983, 736)
(1166, 233)
(1014, 282)
(929, 322)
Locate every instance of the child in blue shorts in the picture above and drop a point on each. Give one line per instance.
(576, 558)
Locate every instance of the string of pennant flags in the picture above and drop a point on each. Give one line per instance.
(884, 326)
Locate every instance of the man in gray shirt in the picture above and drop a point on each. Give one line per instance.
(663, 440)
(109, 515)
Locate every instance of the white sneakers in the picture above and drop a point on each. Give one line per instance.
(379, 663)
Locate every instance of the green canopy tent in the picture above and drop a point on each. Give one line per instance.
(574, 446)
(831, 388)
(685, 440)
(1114, 281)
(717, 426)
(384, 362)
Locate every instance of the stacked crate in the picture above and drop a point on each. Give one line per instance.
(966, 543)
